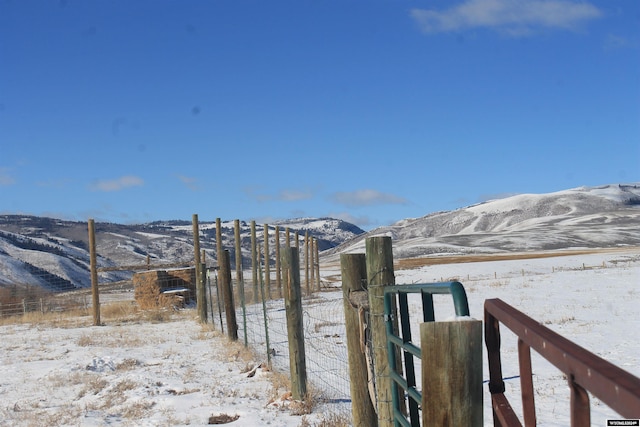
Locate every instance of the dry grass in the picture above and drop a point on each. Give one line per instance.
(98, 338)
(113, 312)
(408, 263)
(93, 386)
(119, 310)
(304, 406)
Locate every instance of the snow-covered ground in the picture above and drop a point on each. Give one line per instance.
(590, 299)
(180, 373)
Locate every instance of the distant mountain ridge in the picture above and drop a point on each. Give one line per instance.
(585, 217)
(54, 253)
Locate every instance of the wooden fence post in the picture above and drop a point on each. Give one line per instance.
(254, 262)
(227, 295)
(218, 240)
(295, 331)
(452, 373)
(354, 274)
(239, 277)
(267, 267)
(379, 257)
(278, 266)
(201, 301)
(317, 264)
(312, 263)
(307, 281)
(93, 261)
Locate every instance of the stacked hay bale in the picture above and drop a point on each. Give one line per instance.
(146, 285)
(150, 285)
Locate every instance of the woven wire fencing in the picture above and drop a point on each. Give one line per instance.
(262, 326)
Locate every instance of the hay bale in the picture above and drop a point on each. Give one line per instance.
(147, 290)
(150, 285)
(183, 278)
(170, 300)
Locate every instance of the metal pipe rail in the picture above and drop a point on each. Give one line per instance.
(401, 339)
(585, 371)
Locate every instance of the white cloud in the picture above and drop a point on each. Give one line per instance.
(190, 182)
(362, 221)
(512, 17)
(5, 178)
(117, 184)
(366, 197)
(294, 195)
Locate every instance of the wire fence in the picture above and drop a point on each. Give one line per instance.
(262, 327)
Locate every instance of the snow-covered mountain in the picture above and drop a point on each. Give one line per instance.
(53, 253)
(585, 217)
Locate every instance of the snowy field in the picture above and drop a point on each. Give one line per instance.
(177, 372)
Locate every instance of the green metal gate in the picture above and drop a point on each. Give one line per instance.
(400, 341)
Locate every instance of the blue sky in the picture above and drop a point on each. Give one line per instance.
(369, 111)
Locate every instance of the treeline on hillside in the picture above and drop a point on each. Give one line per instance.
(27, 243)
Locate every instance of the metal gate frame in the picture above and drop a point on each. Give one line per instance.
(401, 340)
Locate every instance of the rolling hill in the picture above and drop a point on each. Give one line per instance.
(586, 217)
(54, 253)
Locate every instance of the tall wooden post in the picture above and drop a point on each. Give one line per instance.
(239, 278)
(227, 295)
(201, 304)
(267, 267)
(315, 245)
(287, 240)
(203, 279)
(93, 261)
(278, 266)
(380, 273)
(354, 277)
(254, 262)
(312, 263)
(218, 240)
(307, 281)
(238, 244)
(452, 373)
(295, 331)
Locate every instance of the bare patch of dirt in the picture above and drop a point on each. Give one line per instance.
(222, 419)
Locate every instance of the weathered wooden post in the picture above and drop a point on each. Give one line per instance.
(278, 266)
(201, 303)
(267, 267)
(295, 331)
(227, 295)
(239, 277)
(203, 279)
(379, 257)
(317, 264)
(218, 240)
(306, 262)
(356, 304)
(93, 261)
(452, 373)
(254, 262)
(312, 261)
